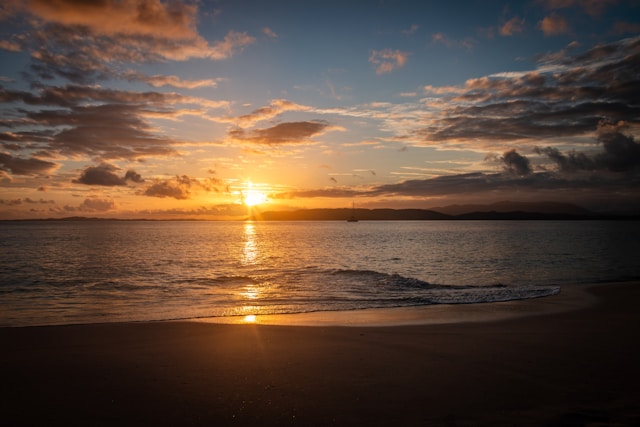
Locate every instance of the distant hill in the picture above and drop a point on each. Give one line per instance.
(507, 206)
(344, 214)
(495, 211)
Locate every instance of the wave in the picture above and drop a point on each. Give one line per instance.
(276, 291)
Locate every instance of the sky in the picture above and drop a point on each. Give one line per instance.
(166, 109)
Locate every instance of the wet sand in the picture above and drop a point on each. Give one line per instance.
(565, 360)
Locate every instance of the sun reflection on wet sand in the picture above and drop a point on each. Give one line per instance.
(249, 318)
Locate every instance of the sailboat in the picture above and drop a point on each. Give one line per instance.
(353, 218)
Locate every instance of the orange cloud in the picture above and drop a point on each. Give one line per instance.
(387, 60)
(283, 133)
(512, 26)
(592, 7)
(269, 33)
(118, 30)
(110, 17)
(553, 25)
(175, 81)
(275, 108)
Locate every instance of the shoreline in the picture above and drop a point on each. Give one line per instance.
(561, 361)
(570, 297)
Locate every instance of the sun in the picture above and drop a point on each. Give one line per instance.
(253, 197)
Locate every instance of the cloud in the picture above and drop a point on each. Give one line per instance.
(624, 27)
(27, 200)
(586, 190)
(411, 30)
(388, 60)
(567, 96)
(181, 187)
(620, 154)
(570, 162)
(269, 33)
(111, 17)
(175, 81)
(105, 175)
(554, 25)
(592, 7)
(621, 151)
(97, 205)
(512, 26)
(10, 45)
(82, 120)
(178, 188)
(275, 108)
(25, 166)
(441, 38)
(84, 42)
(283, 133)
(516, 163)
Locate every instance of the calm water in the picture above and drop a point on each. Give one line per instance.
(84, 272)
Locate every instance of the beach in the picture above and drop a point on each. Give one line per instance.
(567, 359)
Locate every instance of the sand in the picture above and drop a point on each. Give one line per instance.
(564, 360)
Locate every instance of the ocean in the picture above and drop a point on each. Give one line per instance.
(69, 272)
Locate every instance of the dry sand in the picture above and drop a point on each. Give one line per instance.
(565, 360)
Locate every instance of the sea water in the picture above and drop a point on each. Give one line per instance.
(62, 272)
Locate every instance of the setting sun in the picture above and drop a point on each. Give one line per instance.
(252, 196)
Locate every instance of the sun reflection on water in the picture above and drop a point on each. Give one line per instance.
(250, 248)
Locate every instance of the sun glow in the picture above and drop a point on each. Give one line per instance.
(252, 196)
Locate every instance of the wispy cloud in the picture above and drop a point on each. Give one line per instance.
(269, 33)
(175, 81)
(81, 120)
(512, 26)
(554, 25)
(275, 108)
(181, 187)
(443, 39)
(388, 60)
(283, 133)
(411, 30)
(592, 7)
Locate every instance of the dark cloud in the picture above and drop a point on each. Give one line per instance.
(133, 176)
(283, 133)
(105, 175)
(180, 187)
(111, 127)
(620, 153)
(98, 205)
(568, 96)
(93, 205)
(516, 163)
(25, 166)
(568, 162)
(27, 200)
